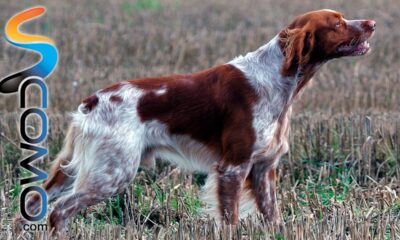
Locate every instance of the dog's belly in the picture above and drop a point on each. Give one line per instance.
(180, 150)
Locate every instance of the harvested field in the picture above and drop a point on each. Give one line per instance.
(341, 178)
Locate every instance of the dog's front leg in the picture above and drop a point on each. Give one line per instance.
(237, 142)
(230, 183)
(263, 181)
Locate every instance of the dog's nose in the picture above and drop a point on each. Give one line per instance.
(371, 25)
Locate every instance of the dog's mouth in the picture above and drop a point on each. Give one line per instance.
(354, 48)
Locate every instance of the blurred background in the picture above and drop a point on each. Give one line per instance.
(341, 177)
(101, 42)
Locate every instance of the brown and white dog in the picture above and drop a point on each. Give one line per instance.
(231, 121)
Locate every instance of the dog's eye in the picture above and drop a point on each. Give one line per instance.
(338, 24)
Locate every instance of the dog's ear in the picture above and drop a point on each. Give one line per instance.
(297, 45)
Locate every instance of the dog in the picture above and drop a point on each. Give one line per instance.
(230, 121)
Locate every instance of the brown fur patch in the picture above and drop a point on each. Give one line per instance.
(90, 102)
(113, 88)
(116, 99)
(213, 107)
(272, 175)
(57, 177)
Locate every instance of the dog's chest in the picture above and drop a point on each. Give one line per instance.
(271, 122)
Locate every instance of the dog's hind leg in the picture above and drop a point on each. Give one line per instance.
(58, 181)
(68, 205)
(104, 167)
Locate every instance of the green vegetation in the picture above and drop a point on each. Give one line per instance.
(148, 5)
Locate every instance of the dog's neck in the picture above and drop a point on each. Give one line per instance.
(263, 69)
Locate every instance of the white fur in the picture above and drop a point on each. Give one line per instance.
(107, 132)
(161, 91)
(262, 68)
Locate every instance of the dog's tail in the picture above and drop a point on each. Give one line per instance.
(209, 195)
(68, 151)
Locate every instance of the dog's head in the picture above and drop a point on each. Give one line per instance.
(318, 36)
